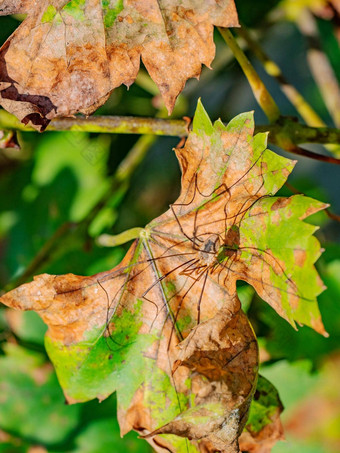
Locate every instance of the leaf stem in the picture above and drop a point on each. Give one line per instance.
(299, 133)
(108, 240)
(299, 102)
(120, 180)
(320, 66)
(259, 89)
(104, 124)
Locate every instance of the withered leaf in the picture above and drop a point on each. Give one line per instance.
(67, 56)
(223, 351)
(164, 328)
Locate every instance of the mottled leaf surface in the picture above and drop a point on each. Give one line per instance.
(165, 329)
(264, 427)
(67, 56)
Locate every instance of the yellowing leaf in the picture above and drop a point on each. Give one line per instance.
(165, 328)
(68, 56)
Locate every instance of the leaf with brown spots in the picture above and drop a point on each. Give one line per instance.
(264, 427)
(165, 328)
(67, 56)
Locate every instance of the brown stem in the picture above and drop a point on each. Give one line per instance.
(306, 153)
(328, 212)
(332, 216)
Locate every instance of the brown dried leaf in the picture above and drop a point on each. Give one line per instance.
(212, 376)
(67, 56)
(223, 351)
(164, 328)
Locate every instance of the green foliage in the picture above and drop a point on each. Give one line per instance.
(59, 177)
(264, 405)
(32, 404)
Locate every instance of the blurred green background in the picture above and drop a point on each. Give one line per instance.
(55, 181)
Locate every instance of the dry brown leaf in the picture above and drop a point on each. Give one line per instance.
(223, 351)
(67, 56)
(164, 328)
(216, 364)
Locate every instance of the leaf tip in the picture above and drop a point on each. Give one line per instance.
(201, 121)
(241, 121)
(318, 326)
(219, 125)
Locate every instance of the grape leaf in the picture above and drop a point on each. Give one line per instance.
(67, 56)
(165, 328)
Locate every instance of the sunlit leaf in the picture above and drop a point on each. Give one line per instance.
(68, 56)
(165, 328)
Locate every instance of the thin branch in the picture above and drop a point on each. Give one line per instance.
(300, 133)
(332, 216)
(287, 126)
(42, 257)
(320, 67)
(306, 153)
(119, 182)
(272, 69)
(259, 89)
(279, 136)
(299, 102)
(104, 124)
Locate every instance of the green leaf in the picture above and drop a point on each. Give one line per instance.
(265, 404)
(286, 252)
(282, 342)
(264, 427)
